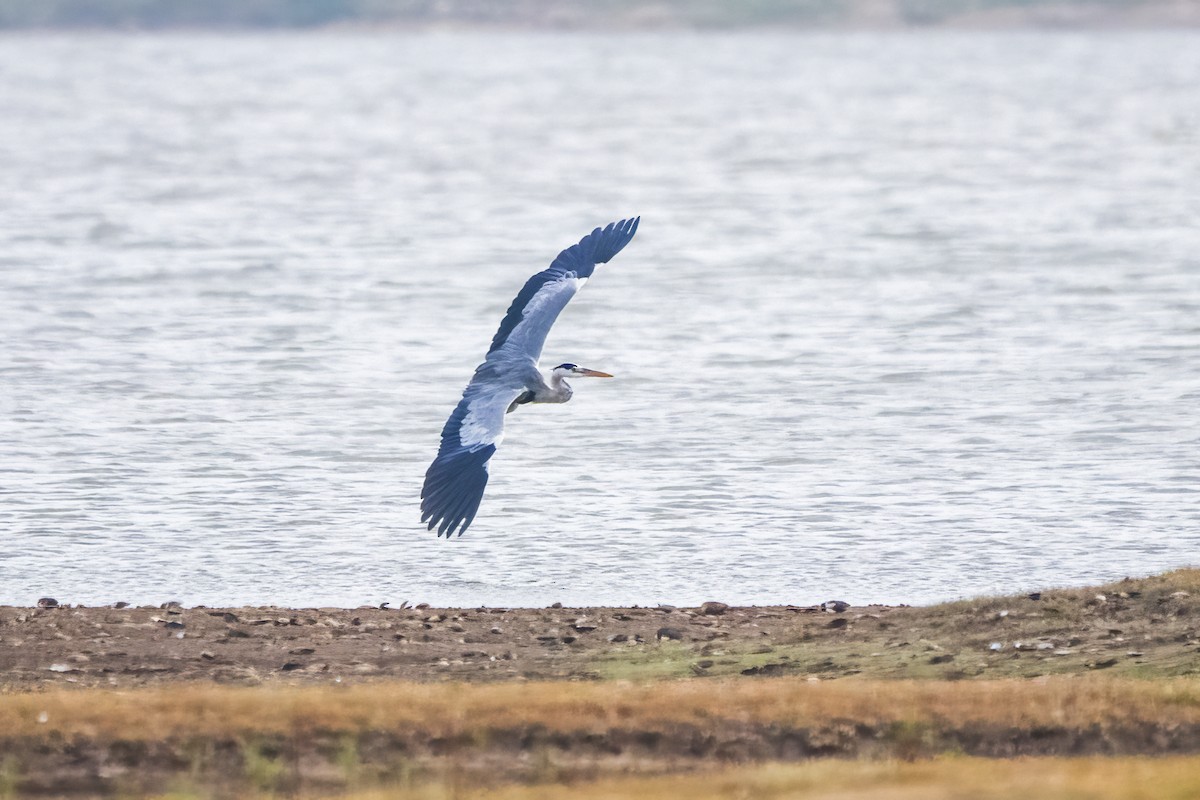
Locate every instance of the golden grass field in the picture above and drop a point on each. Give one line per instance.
(443, 710)
(893, 739)
(951, 778)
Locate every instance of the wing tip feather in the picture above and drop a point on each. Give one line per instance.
(453, 489)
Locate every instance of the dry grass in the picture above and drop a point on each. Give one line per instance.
(207, 710)
(1175, 778)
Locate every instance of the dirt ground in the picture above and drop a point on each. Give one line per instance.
(1143, 627)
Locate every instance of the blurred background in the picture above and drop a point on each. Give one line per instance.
(593, 14)
(912, 313)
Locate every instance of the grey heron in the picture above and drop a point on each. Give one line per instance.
(509, 377)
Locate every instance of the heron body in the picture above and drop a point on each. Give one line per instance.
(509, 377)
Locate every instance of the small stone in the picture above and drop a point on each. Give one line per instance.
(207, 655)
(618, 637)
(840, 622)
(1001, 614)
(497, 630)
(583, 626)
(766, 669)
(568, 639)
(1135, 654)
(995, 646)
(421, 606)
(174, 625)
(301, 651)
(556, 605)
(454, 626)
(62, 668)
(47, 602)
(120, 604)
(291, 665)
(1063, 652)
(942, 659)
(1035, 595)
(668, 633)
(1099, 599)
(1102, 664)
(713, 609)
(704, 663)
(834, 606)
(171, 604)
(1176, 595)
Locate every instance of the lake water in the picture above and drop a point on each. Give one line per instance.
(909, 316)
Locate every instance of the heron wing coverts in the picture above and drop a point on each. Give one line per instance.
(539, 302)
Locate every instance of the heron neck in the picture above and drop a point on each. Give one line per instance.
(560, 390)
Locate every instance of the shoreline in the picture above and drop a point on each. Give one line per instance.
(1145, 627)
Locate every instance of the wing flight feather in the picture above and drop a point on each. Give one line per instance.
(537, 305)
(455, 481)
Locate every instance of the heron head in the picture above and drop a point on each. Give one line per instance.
(574, 370)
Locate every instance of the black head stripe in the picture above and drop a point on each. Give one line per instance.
(567, 366)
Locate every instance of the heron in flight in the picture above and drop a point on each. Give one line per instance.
(509, 377)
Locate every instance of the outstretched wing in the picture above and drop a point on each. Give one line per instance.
(524, 328)
(455, 480)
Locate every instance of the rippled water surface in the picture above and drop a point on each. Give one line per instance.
(908, 317)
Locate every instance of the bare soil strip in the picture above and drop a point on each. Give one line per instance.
(1137, 627)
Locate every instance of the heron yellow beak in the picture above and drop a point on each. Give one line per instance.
(591, 373)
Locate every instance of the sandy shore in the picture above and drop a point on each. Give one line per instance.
(1143, 627)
